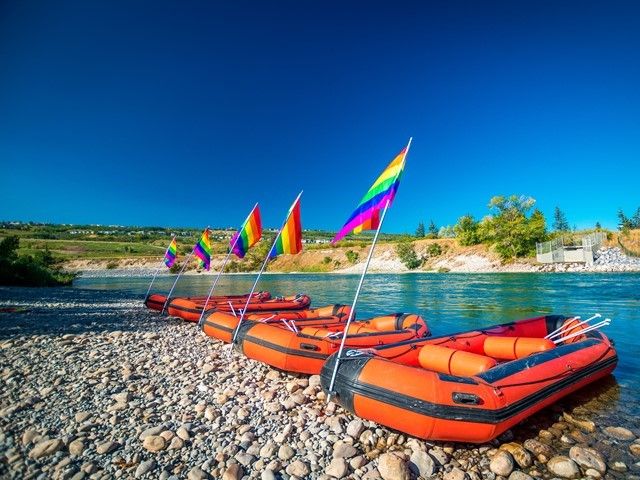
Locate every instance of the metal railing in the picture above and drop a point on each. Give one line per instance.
(554, 250)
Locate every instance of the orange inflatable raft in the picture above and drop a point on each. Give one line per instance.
(470, 386)
(190, 309)
(303, 345)
(221, 324)
(156, 301)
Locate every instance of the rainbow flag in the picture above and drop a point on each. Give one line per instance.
(290, 239)
(248, 235)
(367, 215)
(202, 250)
(171, 253)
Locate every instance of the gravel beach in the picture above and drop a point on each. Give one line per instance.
(94, 386)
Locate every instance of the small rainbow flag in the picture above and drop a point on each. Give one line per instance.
(171, 253)
(248, 235)
(367, 215)
(290, 239)
(202, 250)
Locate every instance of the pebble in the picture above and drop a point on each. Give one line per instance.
(298, 468)
(620, 433)
(588, 458)
(502, 463)
(421, 463)
(154, 443)
(343, 450)
(455, 474)
(196, 473)
(355, 428)
(106, 447)
(76, 447)
(285, 452)
(337, 468)
(45, 448)
(563, 467)
(392, 467)
(145, 467)
(518, 475)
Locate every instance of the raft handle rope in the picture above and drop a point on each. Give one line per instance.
(603, 323)
(561, 331)
(233, 310)
(266, 319)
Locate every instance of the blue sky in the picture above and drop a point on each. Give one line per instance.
(186, 113)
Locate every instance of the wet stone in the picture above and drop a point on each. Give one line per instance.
(563, 467)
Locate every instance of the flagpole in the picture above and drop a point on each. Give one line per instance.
(224, 264)
(264, 264)
(176, 281)
(158, 269)
(186, 262)
(355, 299)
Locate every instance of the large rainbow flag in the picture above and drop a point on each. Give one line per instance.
(367, 215)
(248, 235)
(202, 250)
(171, 253)
(290, 239)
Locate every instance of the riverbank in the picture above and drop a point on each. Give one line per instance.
(470, 260)
(95, 386)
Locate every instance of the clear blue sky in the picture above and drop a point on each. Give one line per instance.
(186, 113)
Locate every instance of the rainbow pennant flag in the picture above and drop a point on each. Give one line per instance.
(248, 235)
(171, 253)
(202, 250)
(290, 239)
(367, 215)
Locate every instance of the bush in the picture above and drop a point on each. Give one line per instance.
(112, 264)
(466, 231)
(510, 230)
(326, 260)
(27, 270)
(407, 255)
(352, 256)
(434, 250)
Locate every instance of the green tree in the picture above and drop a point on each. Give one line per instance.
(9, 247)
(420, 230)
(466, 231)
(407, 255)
(598, 226)
(433, 230)
(635, 220)
(510, 230)
(624, 223)
(560, 223)
(446, 232)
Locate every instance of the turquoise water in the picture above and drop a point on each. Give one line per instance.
(457, 302)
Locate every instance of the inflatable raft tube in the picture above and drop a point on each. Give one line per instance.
(220, 325)
(470, 386)
(156, 301)
(303, 345)
(190, 308)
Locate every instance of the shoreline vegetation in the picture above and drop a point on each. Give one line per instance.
(502, 241)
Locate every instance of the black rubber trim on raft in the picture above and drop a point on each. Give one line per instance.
(347, 385)
(452, 378)
(243, 336)
(215, 325)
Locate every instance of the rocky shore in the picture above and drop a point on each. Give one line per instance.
(94, 386)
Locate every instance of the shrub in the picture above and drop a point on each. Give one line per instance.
(434, 250)
(112, 264)
(510, 230)
(466, 231)
(27, 270)
(407, 255)
(326, 260)
(352, 256)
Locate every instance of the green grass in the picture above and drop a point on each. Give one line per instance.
(89, 249)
